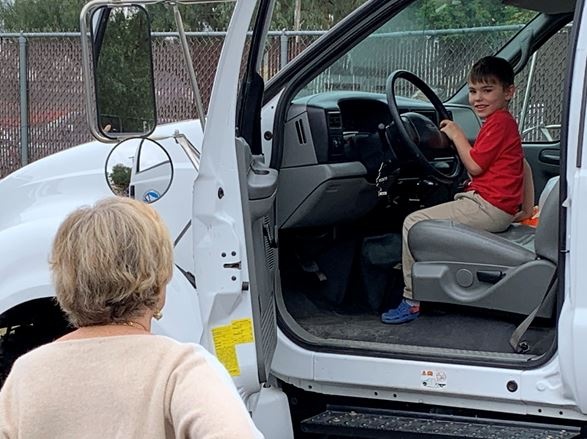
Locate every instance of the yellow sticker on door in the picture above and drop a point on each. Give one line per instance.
(226, 338)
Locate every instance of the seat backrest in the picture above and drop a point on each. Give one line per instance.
(546, 238)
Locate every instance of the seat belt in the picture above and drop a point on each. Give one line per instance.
(521, 346)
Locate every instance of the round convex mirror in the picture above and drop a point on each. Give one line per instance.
(139, 169)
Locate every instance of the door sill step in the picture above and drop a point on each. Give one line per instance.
(375, 423)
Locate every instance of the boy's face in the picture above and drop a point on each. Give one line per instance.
(489, 96)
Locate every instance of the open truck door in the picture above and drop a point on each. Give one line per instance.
(233, 220)
(234, 196)
(233, 200)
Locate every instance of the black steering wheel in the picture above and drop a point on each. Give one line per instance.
(418, 133)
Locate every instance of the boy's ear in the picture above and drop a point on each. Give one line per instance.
(509, 91)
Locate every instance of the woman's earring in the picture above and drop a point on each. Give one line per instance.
(158, 315)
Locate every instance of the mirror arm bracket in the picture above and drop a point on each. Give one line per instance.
(189, 64)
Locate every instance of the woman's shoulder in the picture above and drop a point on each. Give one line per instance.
(113, 346)
(188, 350)
(192, 353)
(174, 354)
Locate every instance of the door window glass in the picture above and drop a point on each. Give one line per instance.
(538, 104)
(436, 40)
(295, 25)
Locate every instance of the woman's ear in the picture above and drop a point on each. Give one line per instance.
(162, 297)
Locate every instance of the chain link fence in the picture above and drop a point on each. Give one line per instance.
(42, 109)
(440, 57)
(9, 106)
(540, 98)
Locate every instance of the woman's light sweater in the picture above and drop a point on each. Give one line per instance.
(130, 386)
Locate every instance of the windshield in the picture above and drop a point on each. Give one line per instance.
(438, 40)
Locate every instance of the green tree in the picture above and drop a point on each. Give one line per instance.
(313, 14)
(123, 73)
(196, 18)
(40, 15)
(120, 179)
(450, 14)
(63, 16)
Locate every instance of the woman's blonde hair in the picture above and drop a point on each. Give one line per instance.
(111, 262)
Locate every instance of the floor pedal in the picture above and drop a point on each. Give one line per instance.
(373, 423)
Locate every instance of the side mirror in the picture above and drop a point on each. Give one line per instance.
(116, 42)
(139, 169)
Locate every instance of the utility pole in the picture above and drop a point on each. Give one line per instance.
(297, 18)
(298, 15)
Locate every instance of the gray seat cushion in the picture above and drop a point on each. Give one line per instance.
(520, 234)
(456, 242)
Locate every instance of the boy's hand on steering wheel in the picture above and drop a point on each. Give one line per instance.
(452, 130)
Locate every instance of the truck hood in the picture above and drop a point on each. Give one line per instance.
(57, 184)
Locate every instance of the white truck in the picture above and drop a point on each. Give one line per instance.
(285, 222)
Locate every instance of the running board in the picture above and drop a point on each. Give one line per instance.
(374, 423)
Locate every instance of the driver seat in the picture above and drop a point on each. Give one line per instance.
(507, 271)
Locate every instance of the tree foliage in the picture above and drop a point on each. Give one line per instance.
(120, 178)
(63, 15)
(124, 75)
(40, 15)
(450, 14)
(196, 18)
(314, 14)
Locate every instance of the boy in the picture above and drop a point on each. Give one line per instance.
(495, 163)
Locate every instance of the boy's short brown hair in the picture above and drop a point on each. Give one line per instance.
(492, 67)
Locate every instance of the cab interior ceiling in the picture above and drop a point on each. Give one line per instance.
(545, 6)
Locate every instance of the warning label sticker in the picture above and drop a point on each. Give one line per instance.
(226, 338)
(433, 379)
(242, 330)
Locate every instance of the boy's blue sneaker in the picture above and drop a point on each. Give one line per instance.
(402, 314)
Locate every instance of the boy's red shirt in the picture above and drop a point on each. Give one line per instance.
(498, 151)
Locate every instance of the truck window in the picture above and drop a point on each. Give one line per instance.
(538, 104)
(436, 45)
(295, 25)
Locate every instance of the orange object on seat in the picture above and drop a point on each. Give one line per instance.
(533, 220)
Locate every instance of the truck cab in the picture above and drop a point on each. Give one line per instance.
(286, 201)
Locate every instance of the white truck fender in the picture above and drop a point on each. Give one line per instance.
(24, 272)
(25, 275)
(181, 314)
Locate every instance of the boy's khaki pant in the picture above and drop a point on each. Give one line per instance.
(467, 208)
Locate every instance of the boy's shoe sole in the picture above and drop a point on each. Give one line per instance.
(397, 320)
(400, 320)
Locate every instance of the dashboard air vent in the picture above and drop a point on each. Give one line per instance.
(301, 132)
(334, 119)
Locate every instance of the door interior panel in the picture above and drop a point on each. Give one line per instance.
(544, 158)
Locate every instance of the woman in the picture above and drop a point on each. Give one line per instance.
(111, 377)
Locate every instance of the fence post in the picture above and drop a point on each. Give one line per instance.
(24, 104)
(283, 49)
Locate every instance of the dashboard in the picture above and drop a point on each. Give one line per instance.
(334, 144)
(330, 120)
